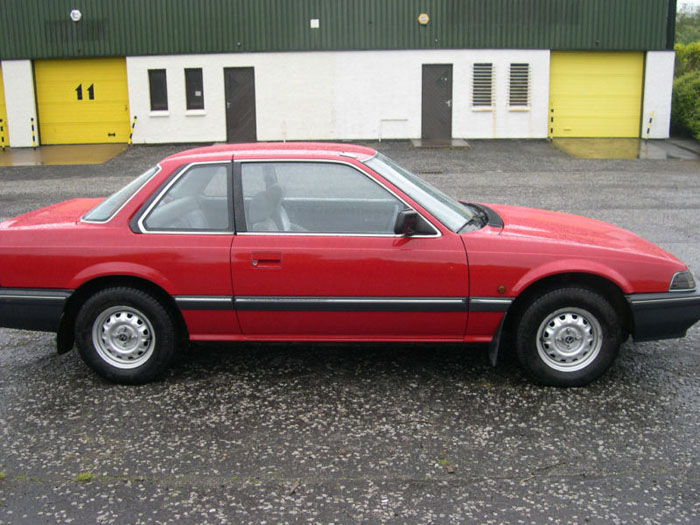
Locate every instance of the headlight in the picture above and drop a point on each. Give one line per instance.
(682, 282)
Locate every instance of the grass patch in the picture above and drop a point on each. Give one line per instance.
(84, 477)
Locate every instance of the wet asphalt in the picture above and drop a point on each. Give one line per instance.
(298, 433)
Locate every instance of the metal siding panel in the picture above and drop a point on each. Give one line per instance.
(42, 29)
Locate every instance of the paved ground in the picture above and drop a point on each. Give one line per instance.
(376, 433)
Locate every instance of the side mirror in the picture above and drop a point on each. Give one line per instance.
(408, 223)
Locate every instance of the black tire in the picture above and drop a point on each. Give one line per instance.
(568, 337)
(126, 335)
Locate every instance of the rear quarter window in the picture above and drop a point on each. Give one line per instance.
(108, 207)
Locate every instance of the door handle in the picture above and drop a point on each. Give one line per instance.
(266, 259)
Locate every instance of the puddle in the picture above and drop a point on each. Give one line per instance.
(629, 149)
(63, 154)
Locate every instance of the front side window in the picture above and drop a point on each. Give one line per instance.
(194, 87)
(198, 201)
(158, 85)
(315, 197)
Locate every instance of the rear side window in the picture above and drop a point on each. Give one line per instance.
(197, 201)
(108, 207)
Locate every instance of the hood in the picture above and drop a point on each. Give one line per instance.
(67, 212)
(569, 229)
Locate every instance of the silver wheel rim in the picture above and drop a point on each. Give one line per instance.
(123, 337)
(569, 339)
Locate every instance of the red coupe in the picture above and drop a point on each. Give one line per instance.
(329, 242)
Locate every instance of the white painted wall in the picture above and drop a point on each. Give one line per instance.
(20, 104)
(337, 95)
(658, 87)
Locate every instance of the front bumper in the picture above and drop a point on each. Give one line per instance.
(29, 309)
(663, 315)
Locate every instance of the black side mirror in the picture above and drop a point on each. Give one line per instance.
(408, 223)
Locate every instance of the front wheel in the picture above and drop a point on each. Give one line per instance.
(568, 337)
(125, 335)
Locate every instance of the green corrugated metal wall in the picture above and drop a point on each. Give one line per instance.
(43, 29)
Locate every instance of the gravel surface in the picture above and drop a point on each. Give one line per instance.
(291, 433)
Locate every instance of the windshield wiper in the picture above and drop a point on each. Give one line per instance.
(479, 218)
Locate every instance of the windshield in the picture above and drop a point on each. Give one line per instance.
(444, 208)
(108, 207)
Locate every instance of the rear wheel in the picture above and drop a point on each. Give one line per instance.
(568, 337)
(125, 335)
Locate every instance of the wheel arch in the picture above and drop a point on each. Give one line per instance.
(593, 282)
(65, 337)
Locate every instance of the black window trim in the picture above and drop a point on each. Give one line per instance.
(242, 228)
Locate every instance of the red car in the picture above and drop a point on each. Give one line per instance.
(329, 242)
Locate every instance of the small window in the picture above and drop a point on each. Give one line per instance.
(519, 85)
(316, 197)
(482, 93)
(198, 200)
(194, 85)
(159, 89)
(108, 207)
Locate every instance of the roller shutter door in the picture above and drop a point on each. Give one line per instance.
(4, 133)
(595, 94)
(83, 101)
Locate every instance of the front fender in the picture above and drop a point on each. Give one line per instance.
(569, 266)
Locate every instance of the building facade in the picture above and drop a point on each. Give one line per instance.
(95, 71)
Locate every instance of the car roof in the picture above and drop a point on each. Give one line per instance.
(272, 150)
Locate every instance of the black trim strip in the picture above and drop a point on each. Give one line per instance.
(32, 309)
(352, 304)
(663, 315)
(654, 300)
(489, 304)
(343, 304)
(204, 302)
(33, 296)
(238, 204)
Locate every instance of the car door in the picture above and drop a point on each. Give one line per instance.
(316, 257)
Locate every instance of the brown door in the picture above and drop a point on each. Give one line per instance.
(437, 102)
(239, 83)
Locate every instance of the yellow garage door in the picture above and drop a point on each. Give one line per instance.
(4, 133)
(595, 94)
(83, 101)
